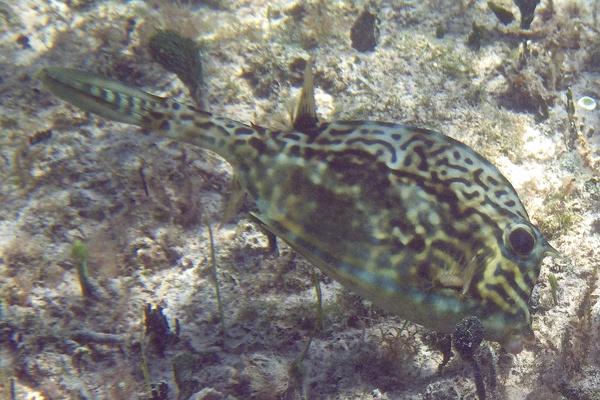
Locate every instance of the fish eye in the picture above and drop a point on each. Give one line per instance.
(521, 240)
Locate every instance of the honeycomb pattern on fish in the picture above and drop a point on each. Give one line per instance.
(413, 220)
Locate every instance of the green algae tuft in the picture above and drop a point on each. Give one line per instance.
(181, 56)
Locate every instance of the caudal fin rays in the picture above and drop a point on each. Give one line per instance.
(102, 96)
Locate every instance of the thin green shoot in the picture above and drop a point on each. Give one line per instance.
(79, 252)
(553, 287)
(144, 363)
(297, 369)
(216, 279)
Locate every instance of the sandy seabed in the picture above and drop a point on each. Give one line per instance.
(141, 205)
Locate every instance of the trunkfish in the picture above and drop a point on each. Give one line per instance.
(414, 221)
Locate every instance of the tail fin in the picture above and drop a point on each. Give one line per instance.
(102, 96)
(239, 144)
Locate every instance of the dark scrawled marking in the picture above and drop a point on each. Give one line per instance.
(444, 161)
(312, 134)
(130, 105)
(222, 131)
(423, 164)
(497, 207)
(327, 141)
(441, 150)
(340, 132)
(470, 195)
(294, 151)
(204, 125)
(450, 198)
(528, 282)
(425, 134)
(157, 115)
(292, 136)
(492, 181)
(384, 124)
(395, 245)
(370, 142)
(477, 178)
(406, 228)
(243, 131)
(187, 117)
(510, 279)
(424, 272)
(499, 289)
(417, 244)
(443, 196)
(449, 181)
(409, 142)
(259, 129)
(117, 100)
(258, 144)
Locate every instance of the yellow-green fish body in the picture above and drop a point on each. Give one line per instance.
(415, 221)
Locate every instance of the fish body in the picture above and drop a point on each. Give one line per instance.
(410, 219)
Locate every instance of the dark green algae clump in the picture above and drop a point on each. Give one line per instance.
(181, 56)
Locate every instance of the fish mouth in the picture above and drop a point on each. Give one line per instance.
(550, 251)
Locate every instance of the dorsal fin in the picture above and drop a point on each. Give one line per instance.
(306, 112)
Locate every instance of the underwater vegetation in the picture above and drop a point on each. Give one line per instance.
(467, 338)
(79, 252)
(181, 56)
(158, 329)
(140, 206)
